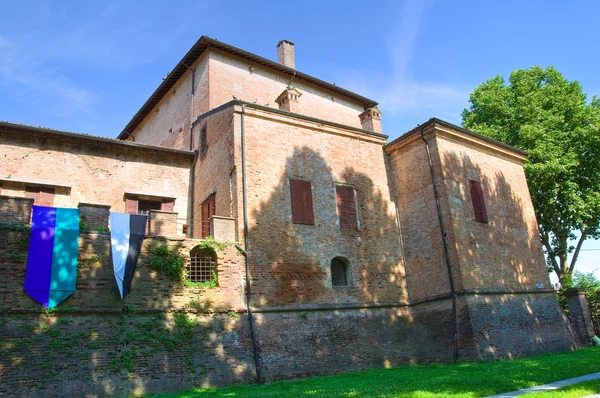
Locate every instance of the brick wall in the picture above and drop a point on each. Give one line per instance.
(99, 173)
(221, 77)
(215, 171)
(291, 262)
(230, 76)
(169, 122)
(505, 302)
(15, 210)
(164, 336)
(94, 216)
(162, 223)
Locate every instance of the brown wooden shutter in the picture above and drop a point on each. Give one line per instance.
(302, 207)
(207, 211)
(167, 205)
(346, 207)
(131, 205)
(46, 196)
(33, 193)
(478, 201)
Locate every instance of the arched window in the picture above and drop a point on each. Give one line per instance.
(340, 271)
(203, 265)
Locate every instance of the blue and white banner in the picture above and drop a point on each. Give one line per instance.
(127, 233)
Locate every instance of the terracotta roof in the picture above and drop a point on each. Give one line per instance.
(197, 49)
(84, 136)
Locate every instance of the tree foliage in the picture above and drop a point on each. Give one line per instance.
(589, 284)
(550, 117)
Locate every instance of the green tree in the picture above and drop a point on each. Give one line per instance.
(550, 117)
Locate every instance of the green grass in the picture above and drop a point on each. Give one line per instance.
(425, 381)
(573, 391)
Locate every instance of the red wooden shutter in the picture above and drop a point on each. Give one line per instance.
(168, 205)
(131, 205)
(34, 193)
(302, 207)
(207, 211)
(346, 206)
(478, 201)
(46, 196)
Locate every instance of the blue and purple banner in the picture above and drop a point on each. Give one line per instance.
(51, 272)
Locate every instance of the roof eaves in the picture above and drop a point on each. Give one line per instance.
(89, 137)
(435, 120)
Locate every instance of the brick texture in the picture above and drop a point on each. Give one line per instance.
(98, 173)
(94, 216)
(15, 210)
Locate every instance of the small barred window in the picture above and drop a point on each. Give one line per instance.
(203, 265)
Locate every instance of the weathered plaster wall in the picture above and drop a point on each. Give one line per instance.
(98, 173)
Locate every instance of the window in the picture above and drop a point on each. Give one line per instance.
(478, 201)
(207, 211)
(203, 141)
(203, 265)
(340, 271)
(302, 207)
(42, 196)
(144, 206)
(346, 206)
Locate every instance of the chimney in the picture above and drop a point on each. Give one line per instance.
(285, 54)
(288, 100)
(371, 119)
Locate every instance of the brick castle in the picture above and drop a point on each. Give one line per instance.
(361, 252)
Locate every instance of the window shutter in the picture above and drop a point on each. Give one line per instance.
(33, 193)
(46, 196)
(302, 207)
(167, 206)
(207, 211)
(478, 201)
(346, 207)
(131, 205)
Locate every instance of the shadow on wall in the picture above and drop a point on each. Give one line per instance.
(164, 336)
(502, 255)
(291, 267)
(290, 263)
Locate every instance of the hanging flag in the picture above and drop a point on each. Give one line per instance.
(51, 273)
(127, 233)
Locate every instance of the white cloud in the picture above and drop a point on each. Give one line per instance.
(29, 80)
(400, 93)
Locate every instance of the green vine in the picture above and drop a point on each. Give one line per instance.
(168, 261)
(210, 243)
(213, 283)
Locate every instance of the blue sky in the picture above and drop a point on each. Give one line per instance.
(89, 66)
